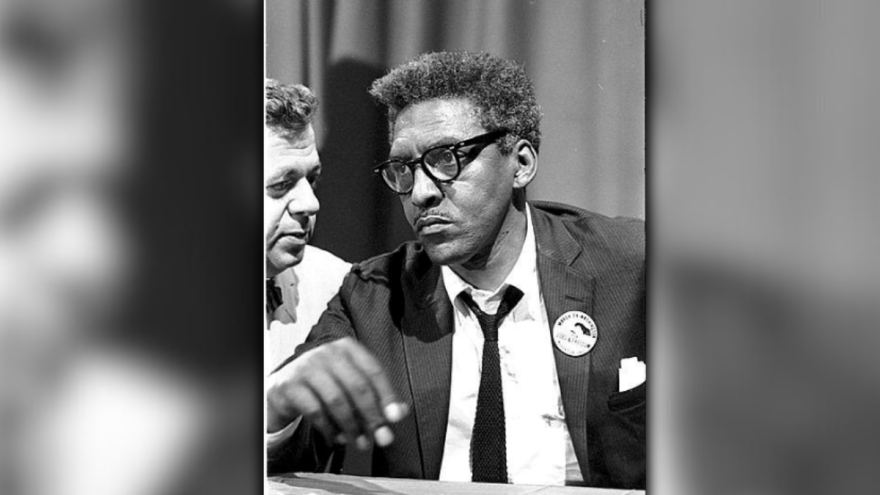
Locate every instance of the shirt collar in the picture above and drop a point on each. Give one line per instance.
(523, 276)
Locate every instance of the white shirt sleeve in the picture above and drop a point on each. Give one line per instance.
(277, 439)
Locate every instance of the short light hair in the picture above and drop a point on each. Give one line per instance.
(289, 108)
(499, 89)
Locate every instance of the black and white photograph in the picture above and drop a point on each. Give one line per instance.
(471, 307)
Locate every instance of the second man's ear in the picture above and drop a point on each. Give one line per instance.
(526, 162)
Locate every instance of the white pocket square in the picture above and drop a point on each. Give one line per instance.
(632, 374)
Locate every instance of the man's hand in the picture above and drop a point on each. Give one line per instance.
(341, 389)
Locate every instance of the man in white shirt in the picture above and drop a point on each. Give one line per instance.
(300, 278)
(474, 354)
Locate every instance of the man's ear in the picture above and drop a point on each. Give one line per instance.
(526, 163)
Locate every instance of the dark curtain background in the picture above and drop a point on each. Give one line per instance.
(586, 58)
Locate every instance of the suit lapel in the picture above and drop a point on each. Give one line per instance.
(427, 328)
(564, 288)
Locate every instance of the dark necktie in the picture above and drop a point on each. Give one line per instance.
(273, 296)
(489, 438)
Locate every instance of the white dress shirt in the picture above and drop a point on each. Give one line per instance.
(306, 289)
(539, 447)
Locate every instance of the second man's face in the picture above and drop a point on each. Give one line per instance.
(458, 222)
(292, 168)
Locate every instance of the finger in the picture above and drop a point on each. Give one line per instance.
(362, 442)
(313, 410)
(378, 411)
(391, 409)
(362, 396)
(282, 398)
(289, 395)
(335, 403)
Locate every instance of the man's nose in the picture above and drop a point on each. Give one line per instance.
(425, 191)
(303, 200)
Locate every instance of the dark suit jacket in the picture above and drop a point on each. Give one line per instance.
(396, 305)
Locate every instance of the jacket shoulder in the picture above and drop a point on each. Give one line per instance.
(622, 236)
(407, 258)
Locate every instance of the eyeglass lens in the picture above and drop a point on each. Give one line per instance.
(398, 176)
(443, 163)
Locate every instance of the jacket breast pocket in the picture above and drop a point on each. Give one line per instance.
(628, 401)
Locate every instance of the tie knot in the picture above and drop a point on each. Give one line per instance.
(489, 323)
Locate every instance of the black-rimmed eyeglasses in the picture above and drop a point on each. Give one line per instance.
(440, 163)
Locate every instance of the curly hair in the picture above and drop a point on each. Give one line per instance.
(498, 88)
(289, 108)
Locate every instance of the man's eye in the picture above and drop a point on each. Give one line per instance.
(279, 187)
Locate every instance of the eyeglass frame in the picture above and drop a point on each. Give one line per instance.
(487, 138)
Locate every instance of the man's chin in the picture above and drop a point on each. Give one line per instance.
(443, 254)
(282, 261)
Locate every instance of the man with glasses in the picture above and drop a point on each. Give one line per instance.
(498, 347)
